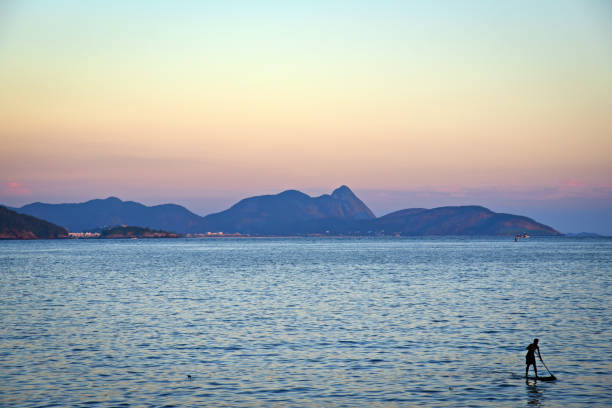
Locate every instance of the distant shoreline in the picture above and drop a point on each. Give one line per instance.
(292, 237)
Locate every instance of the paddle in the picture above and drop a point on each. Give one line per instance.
(552, 377)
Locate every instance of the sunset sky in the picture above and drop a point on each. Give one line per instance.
(411, 104)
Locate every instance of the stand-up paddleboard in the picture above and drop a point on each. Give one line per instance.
(550, 378)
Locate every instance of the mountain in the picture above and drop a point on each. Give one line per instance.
(459, 220)
(20, 226)
(111, 212)
(290, 212)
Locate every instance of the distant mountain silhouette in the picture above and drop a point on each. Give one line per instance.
(112, 212)
(290, 213)
(459, 220)
(21, 226)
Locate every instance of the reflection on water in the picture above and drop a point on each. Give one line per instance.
(304, 322)
(534, 395)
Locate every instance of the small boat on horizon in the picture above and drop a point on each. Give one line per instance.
(518, 236)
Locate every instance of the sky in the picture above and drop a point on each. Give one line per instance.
(411, 104)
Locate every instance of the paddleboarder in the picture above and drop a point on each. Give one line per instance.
(530, 357)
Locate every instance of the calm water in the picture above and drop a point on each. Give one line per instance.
(304, 322)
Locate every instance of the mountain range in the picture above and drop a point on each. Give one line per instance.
(110, 212)
(289, 213)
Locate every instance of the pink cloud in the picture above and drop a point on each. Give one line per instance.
(15, 189)
(574, 183)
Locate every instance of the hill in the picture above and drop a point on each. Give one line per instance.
(290, 212)
(459, 220)
(19, 226)
(112, 211)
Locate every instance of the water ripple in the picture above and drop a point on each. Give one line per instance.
(303, 322)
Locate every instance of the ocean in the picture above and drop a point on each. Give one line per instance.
(304, 322)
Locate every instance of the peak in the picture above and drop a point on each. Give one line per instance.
(112, 198)
(292, 193)
(352, 206)
(342, 190)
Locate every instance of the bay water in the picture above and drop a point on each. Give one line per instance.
(300, 322)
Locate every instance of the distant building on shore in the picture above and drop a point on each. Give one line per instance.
(78, 235)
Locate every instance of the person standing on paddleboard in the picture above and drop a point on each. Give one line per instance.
(530, 357)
